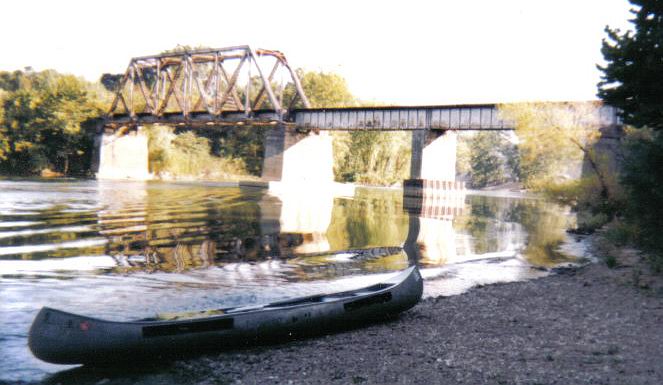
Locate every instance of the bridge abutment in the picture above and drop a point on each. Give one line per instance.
(122, 154)
(294, 157)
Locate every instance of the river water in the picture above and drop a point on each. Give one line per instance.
(126, 250)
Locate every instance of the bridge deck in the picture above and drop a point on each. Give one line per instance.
(456, 117)
(393, 118)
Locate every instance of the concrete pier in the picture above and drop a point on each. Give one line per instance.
(122, 154)
(432, 166)
(298, 157)
(433, 157)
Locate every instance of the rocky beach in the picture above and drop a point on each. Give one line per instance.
(581, 325)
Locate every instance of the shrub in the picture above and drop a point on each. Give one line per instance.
(642, 176)
(189, 155)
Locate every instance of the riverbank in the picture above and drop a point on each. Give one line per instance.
(587, 325)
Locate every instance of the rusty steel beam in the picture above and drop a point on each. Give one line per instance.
(191, 82)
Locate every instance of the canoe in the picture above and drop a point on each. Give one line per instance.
(64, 338)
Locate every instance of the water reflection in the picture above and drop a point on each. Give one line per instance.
(129, 250)
(489, 240)
(174, 228)
(307, 212)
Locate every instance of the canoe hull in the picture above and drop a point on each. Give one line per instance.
(65, 338)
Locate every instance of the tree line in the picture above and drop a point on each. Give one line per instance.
(47, 127)
(42, 122)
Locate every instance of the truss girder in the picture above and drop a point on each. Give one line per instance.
(210, 81)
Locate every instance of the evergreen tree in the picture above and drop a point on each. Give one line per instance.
(633, 82)
(633, 77)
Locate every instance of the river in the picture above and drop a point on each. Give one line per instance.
(125, 250)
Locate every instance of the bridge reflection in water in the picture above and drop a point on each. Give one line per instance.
(458, 240)
(297, 235)
(248, 229)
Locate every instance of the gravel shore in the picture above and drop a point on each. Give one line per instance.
(589, 325)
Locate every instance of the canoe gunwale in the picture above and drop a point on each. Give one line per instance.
(272, 306)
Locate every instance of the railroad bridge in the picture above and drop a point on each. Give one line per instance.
(240, 86)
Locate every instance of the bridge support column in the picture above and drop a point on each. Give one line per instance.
(433, 163)
(296, 157)
(122, 154)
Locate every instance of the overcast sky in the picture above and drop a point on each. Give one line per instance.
(398, 52)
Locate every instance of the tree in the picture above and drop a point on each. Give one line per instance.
(492, 159)
(632, 79)
(10, 81)
(326, 89)
(554, 139)
(42, 124)
(641, 177)
(323, 89)
(111, 82)
(372, 157)
(4, 140)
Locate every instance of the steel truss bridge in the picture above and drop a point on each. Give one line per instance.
(236, 86)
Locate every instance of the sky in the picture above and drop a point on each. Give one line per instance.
(406, 52)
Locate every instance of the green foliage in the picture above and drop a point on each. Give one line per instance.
(632, 81)
(583, 195)
(376, 158)
(42, 122)
(610, 261)
(558, 157)
(492, 159)
(463, 155)
(188, 155)
(381, 222)
(111, 82)
(554, 139)
(4, 139)
(323, 89)
(10, 81)
(621, 233)
(493, 222)
(243, 143)
(191, 144)
(642, 175)
(632, 78)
